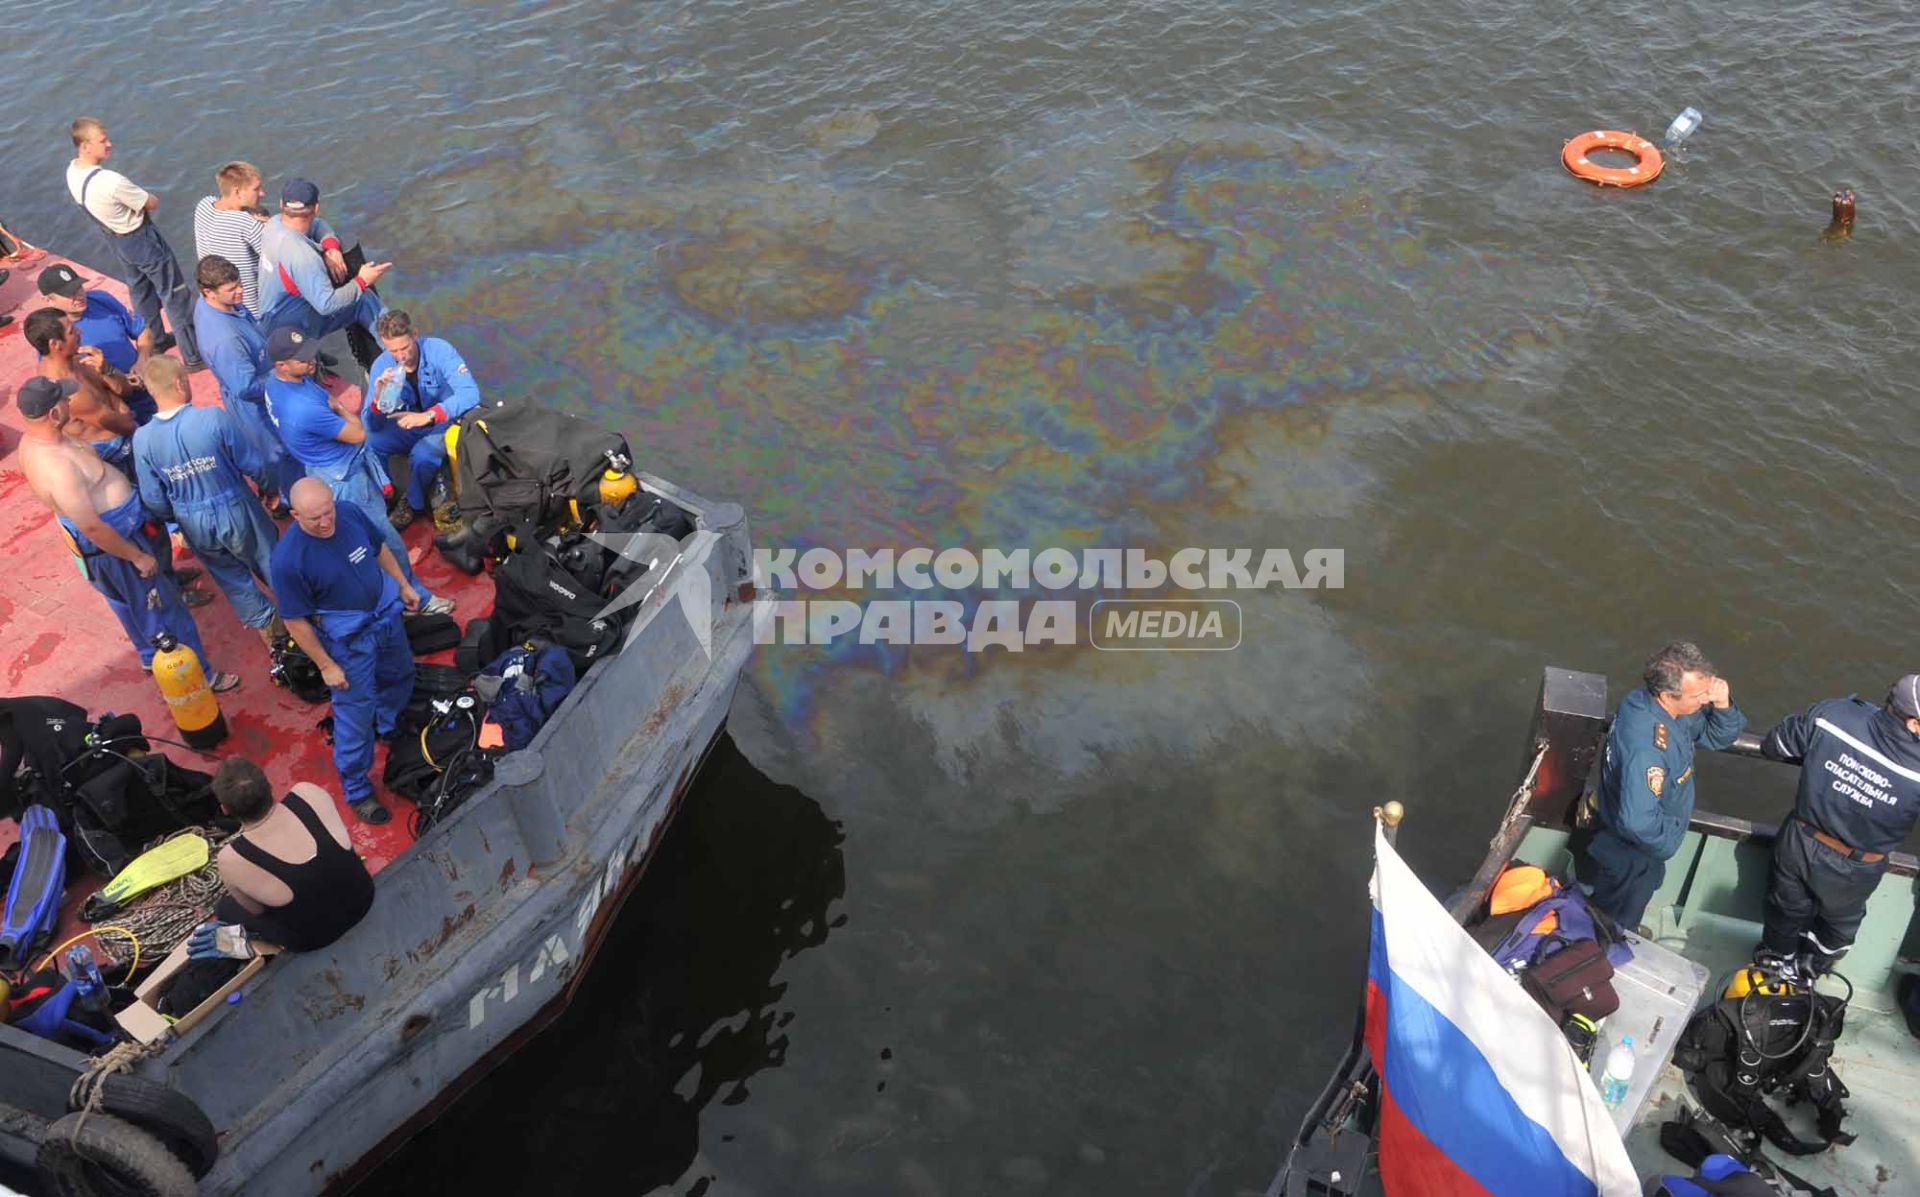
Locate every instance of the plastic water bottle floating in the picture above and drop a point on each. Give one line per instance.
(1682, 126)
(1613, 1090)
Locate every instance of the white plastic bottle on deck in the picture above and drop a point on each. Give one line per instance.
(1682, 126)
(1613, 1090)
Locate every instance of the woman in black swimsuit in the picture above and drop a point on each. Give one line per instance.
(291, 875)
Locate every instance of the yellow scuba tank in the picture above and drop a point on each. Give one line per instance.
(617, 481)
(183, 683)
(453, 456)
(1754, 979)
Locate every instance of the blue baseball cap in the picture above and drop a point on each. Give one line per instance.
(290, 345)
(299, 195)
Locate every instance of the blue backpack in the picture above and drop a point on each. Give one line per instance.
(1574, 921)
(527, 685)
(1717, 1176)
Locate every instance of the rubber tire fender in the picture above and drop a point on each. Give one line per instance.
(76, 1147)
(165, 1113)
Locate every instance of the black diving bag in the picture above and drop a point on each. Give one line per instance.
(535, 597)
(134, 802)
(523, 462)
(1738, 1051)
(295, 672)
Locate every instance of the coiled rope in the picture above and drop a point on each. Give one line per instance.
(166, 916)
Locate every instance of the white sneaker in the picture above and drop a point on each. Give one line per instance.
(439, 604)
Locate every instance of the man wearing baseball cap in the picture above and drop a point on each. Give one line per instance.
(1859, 797)
(326, 435)
(107, 527)
(124, 340)
(296, 287)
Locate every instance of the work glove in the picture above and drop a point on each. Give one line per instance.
(218, 941)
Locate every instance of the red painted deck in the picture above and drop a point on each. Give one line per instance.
(57, 636)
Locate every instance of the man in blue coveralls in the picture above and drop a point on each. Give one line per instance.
(342, 593)
(415, 389)
(1858, 801)
(326, 436)
(236, 348)
(124, 340)
(1646, 777)
(296, 288)
(106, 525)
(192, 464)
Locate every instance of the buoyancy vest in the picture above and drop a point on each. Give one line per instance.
(1739, 1050)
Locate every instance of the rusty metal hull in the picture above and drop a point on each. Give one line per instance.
(480, 931)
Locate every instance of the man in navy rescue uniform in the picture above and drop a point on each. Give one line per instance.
(434, 388)
(192, 465)
(342, 595)
(1859, 797)
(1646, 776)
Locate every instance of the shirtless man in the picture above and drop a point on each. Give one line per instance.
(96, 412)
(105, 524)
(98, 415)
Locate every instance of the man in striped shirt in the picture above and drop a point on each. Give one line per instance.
(228, 225)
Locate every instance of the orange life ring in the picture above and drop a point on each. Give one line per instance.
(1645, 170)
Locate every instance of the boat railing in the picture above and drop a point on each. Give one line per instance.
(1732, 827)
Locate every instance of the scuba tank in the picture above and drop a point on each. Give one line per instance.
(183, 683)
(617, 481)
(1754, 979)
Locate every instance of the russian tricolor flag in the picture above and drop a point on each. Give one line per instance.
(1479, 1091)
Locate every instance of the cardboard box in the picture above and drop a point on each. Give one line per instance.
(148, 1025)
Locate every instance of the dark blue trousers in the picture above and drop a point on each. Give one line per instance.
(154, 281)
(1625, 877)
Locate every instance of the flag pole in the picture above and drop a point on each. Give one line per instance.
(1323, 1152)
(1390, 816)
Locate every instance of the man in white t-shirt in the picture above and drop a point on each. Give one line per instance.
(124, 211)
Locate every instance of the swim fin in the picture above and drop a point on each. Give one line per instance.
(33, 897)
(148, 871)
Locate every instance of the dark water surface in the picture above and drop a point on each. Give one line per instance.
(1203, 273)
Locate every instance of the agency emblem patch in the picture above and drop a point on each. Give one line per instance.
(1656, 779)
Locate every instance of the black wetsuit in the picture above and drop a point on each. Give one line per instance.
(331, 892)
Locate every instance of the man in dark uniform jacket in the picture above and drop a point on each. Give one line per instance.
(1859, 797)
(1646, 778)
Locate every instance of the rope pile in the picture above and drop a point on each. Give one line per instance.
(165, 917)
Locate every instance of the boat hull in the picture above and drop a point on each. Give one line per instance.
(482, 931)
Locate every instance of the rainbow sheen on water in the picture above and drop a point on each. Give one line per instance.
(1160, 350)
